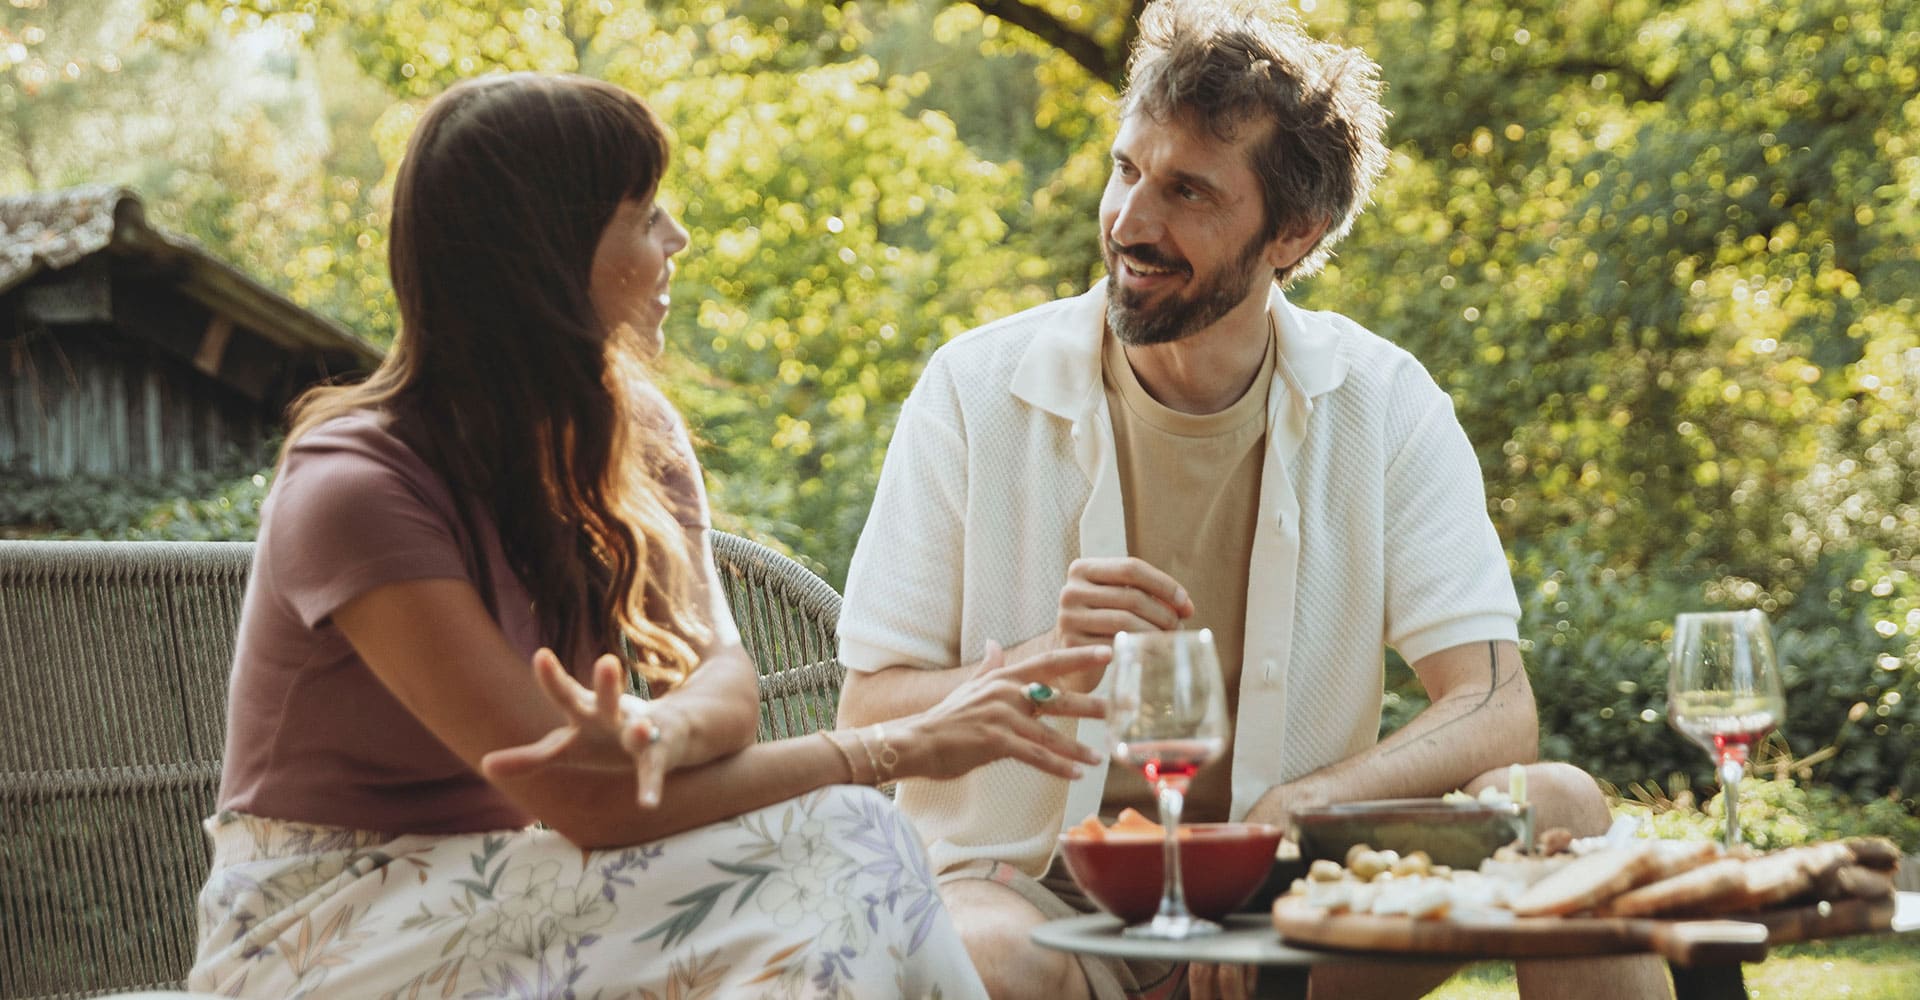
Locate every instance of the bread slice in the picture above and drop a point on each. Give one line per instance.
(1782, 875)
(1700, 890)
(1674, 857)
(1854, 882)
(1877, 853)
(1588, 882)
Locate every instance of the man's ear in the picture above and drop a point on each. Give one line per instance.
(1286, 249)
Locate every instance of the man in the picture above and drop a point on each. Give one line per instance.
(1182, 446)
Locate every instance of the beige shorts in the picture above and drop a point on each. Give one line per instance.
(1055, 895)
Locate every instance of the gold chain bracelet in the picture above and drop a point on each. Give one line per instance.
(889, 757)
(861, 735)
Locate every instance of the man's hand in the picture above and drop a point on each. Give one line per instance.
(1481, 718)
(1206, 981)
(1105, 596)
(1280, 802)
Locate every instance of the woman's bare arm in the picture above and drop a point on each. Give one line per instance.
(432, 643)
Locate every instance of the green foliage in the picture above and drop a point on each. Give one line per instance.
(1665, 257)
(1774, 813)
(1638, 263)
(230, 512)
(204, 507)
(1595, 641)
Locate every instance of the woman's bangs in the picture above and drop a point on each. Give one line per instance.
(640, 151)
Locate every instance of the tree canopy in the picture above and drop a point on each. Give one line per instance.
(1663, 256)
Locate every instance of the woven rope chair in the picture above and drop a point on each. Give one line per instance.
(113, 679)
(787, 618)
(113, 666)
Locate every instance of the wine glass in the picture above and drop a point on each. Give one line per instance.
(1169, 717)
(1724, 693)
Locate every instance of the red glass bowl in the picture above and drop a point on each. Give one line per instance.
(1221, 866)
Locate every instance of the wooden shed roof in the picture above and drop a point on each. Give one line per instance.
(54, 230)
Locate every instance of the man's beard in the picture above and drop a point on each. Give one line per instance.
(1139, 326)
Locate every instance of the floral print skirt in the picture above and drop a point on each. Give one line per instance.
(826, 895)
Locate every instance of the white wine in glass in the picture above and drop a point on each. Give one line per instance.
(1168, 719)
(1724, 693)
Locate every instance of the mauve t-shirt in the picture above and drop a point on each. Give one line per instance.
(312, 734)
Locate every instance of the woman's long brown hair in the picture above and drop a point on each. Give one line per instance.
(507, 383)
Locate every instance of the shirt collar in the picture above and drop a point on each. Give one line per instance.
(1060, 371)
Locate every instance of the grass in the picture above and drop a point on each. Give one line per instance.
(1862, 968)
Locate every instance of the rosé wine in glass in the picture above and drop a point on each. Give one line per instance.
(1724, 693)
(1169, 718)
(1170, 760)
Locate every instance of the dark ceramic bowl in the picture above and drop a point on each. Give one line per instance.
(1456, 834)
(1222, 865)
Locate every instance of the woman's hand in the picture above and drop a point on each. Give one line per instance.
(606, 730)
(991, 716)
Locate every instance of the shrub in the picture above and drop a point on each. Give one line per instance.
(1597, 648)
(1595, 640)
(223, 506)
(1774, 813)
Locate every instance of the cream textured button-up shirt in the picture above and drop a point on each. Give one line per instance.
(1372, 531)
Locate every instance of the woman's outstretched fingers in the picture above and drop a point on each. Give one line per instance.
(559, 686)
(650, 772)
(1039, 755)
(1072, 705)
(1054, 742)
(512, 761)
(607, 688)
(994, 658)
(1055, 664)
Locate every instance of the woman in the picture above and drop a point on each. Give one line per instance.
(507, 487)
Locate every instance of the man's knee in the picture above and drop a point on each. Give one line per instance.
(995, 925)
(1565, 796)
(1562, 796)
(994, 932)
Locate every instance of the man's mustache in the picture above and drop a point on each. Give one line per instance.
(1146, 254)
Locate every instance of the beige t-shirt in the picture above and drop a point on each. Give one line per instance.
(1191, 484)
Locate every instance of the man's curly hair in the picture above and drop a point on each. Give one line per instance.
(1222, 66)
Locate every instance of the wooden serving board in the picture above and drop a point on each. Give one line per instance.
(1682, 942)
(1809, 923)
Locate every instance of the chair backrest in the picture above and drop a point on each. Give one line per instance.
(113, 669)
(113, 681)
(787, 617)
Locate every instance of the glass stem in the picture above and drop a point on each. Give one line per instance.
(1732, 769)
(1173, 893)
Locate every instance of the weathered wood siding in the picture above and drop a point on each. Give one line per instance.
(90, 401)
